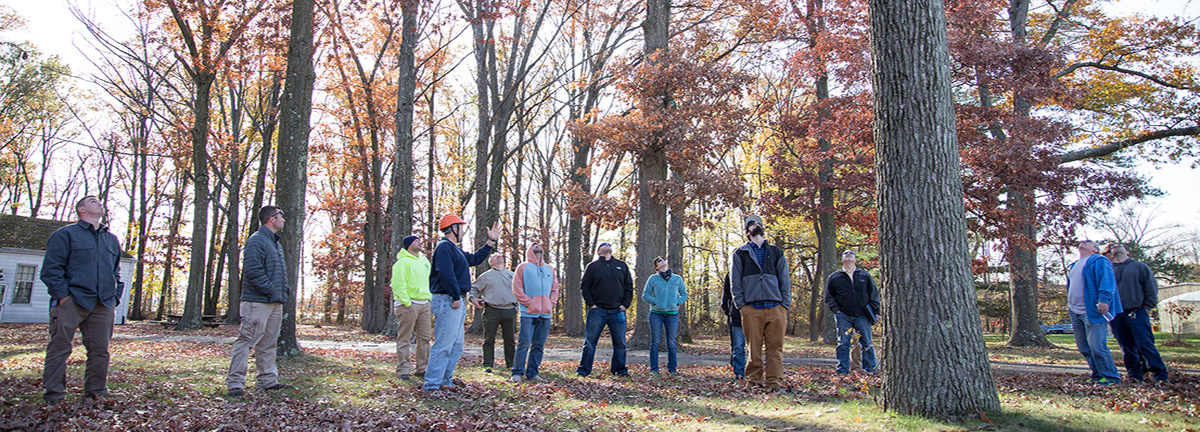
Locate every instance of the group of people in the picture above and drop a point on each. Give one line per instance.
(1105, 289)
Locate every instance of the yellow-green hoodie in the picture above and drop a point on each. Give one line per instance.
(410, 278)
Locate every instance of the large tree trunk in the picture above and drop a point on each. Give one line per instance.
(291, 169)
(928, 295)
(652, 170)
(194, 299)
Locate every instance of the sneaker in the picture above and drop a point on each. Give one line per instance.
(405, 377)
(536, 379)
(420, 375)
(1107, 382)
(277, 386)
(516, 378)
(54, 402)
(654, 372)
(236, 392)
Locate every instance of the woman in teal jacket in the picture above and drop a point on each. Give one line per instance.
(665, 292)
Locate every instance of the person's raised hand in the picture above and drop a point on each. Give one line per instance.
(494, 232)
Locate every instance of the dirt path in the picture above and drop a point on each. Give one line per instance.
(633, 356)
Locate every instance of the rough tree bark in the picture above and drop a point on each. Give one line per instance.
(291, 169)
(928, 295)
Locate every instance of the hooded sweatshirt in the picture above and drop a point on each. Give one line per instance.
(535, 286)
(1136, 285)
(664, 293)
(410, 279)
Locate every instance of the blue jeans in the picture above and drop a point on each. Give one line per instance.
(597, 318)
(737, 348)
(531, 342)
(447, 341)
(1132, 330)
(1092, 340)
(862, 325)
(657, 323)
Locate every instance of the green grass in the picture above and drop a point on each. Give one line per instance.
(174, 385)
(1186, 357)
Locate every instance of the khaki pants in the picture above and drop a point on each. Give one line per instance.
(413, 322)
(260, 329)
(96, 326)
(765, 326)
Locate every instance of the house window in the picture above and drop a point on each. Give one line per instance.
(23, 287)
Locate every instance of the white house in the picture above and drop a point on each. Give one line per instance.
(23, 296)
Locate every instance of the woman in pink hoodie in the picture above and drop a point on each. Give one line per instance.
(536, 289)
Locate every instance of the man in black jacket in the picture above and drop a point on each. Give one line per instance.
(607, 287)
(737, 337)
(852, 296)
(1139, 293)
(81, 270)
(264, 279)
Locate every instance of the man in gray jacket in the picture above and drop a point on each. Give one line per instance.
(264, 279)
(761, 286)
(81, 270)
(1139, 293)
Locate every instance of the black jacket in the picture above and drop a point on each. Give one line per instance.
(607, 284)
(1136, 285)
(852, 297)
(83, 262)
(732, 314)
(264, 276)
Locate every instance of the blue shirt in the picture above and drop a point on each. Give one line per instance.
(760, 253)
(83, 261)
(451, 273)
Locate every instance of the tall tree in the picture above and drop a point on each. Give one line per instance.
(295, 108)
(600, 39)
(401, 204)
(928, 295)
(203, 58)
(652, 169)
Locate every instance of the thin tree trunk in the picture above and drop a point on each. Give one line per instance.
(292, 166)
(172, 234)
(402, 173)
(1022, 245)
(193, 301)
(929, 302)
(675, 258)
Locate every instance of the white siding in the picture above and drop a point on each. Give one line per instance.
(38, 309)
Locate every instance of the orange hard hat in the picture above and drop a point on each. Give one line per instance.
(450, 219)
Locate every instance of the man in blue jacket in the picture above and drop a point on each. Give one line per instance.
(449, 282)
(81, 270)
(264, 282)
(1092, 299)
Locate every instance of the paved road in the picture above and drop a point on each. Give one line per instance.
(602, 354)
